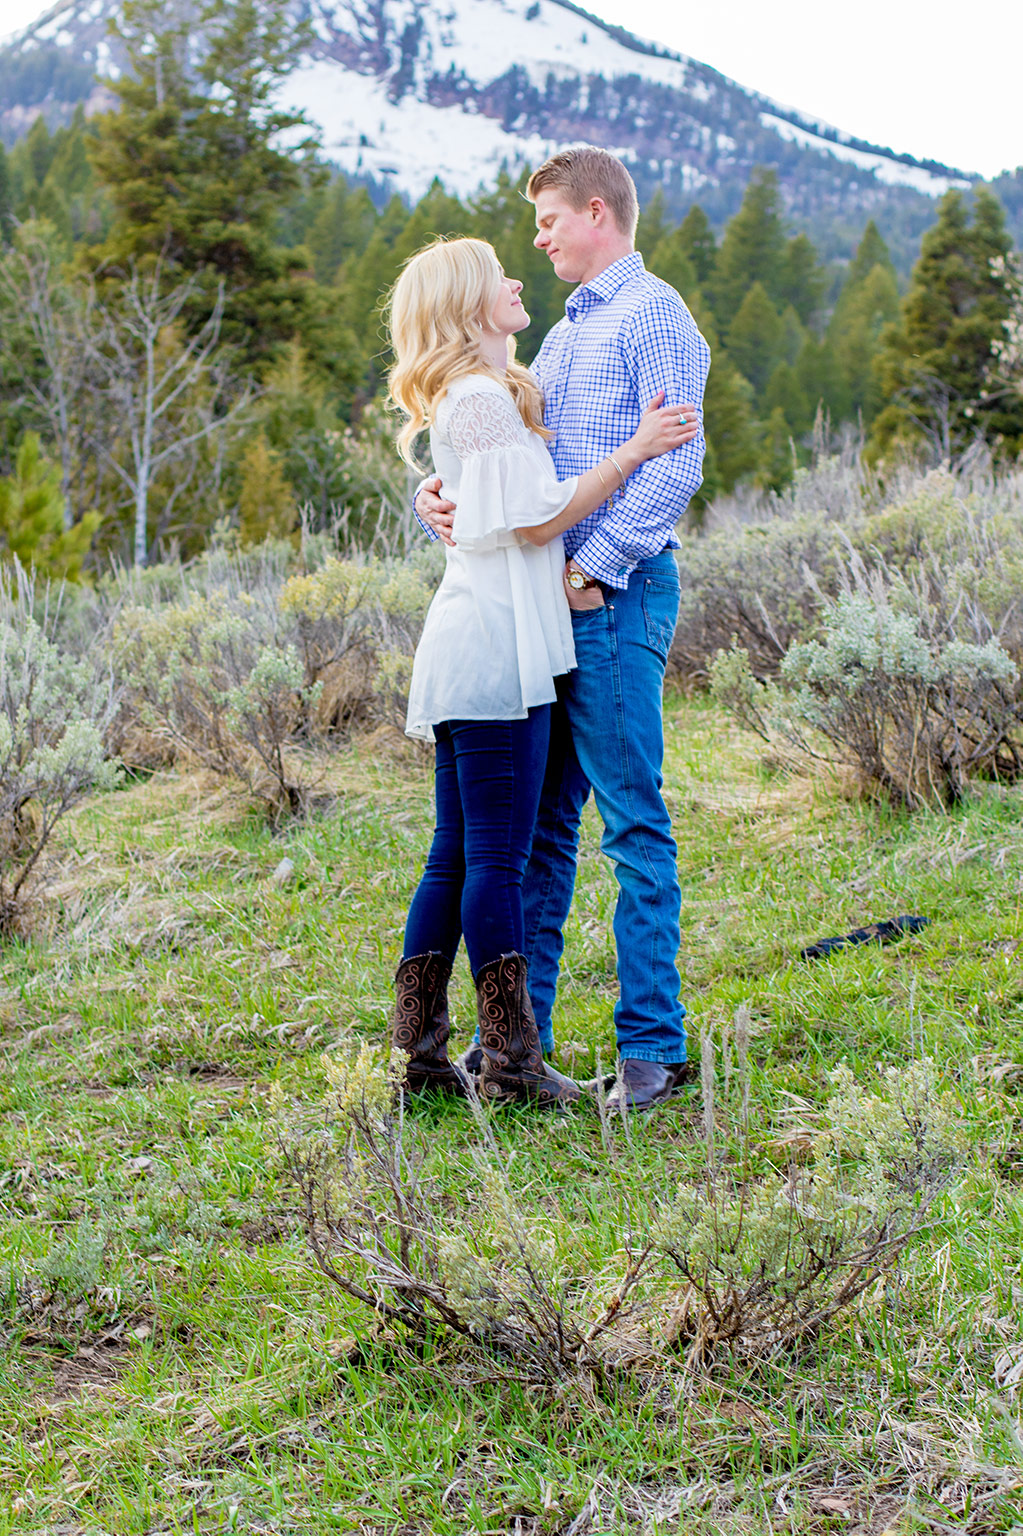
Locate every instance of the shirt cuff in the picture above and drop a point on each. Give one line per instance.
(430, 532)
(601, 557)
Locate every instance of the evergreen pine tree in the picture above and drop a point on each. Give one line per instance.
(730, 426)
(303, 428)
(870, 253)
(793, 334)
(653, 226)
(776, 460)
(436, 214)
(192, 164)
(756, 338)
(39, 149)
(341, 227)
(670, 262)
(858, 323)
(802, 280)
(266, 502)
(784, 392)
(752, 250)
(729, 422)
(6, 200)
(32, 517)
(868, 301)
(818, 377)
(71, 172)
(696, 239)
(935, 366)
(70, 166)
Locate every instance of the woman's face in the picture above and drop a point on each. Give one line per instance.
(508, 315)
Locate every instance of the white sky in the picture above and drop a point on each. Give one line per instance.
(940, 80)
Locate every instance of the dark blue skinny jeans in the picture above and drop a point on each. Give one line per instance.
(489, 778)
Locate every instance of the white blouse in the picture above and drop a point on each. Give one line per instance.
(499, 630)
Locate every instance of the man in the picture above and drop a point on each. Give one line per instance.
(626, 338)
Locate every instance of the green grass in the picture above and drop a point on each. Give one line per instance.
(170, 1359)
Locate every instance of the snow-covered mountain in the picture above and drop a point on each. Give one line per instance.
(405, 90)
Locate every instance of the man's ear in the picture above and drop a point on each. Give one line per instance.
(597, 209)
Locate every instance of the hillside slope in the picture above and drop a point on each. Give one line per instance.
(405, 90)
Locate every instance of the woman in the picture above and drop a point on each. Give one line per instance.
(497, 635)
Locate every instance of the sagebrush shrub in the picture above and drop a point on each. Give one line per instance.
(884, 690)
(729, 1261)
(239, 661)
(352, 617)
(216, 679)
(751, 586)
(916, 714)
(904, 662)
(54, 710)
(957, 540)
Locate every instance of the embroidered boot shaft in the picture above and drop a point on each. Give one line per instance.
(513, 1064)
(421, 1026)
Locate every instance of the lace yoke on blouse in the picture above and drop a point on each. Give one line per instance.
(499, 630)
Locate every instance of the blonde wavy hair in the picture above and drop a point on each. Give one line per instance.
(436, 314)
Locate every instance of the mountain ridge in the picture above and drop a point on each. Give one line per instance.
(406, 90)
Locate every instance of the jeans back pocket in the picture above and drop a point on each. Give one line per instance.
(660, 613)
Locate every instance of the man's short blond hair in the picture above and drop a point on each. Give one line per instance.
(587, 172)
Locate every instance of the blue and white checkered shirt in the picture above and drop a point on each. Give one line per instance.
(625, 336)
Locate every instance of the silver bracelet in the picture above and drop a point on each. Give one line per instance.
(618, 467)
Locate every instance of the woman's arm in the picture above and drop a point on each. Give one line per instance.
(661, 429)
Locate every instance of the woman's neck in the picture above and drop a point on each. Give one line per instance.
(494, 347)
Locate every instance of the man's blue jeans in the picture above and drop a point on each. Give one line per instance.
(607, 732)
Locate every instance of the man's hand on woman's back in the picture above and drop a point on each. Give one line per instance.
(433, 510)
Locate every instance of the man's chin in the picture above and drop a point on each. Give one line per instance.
(566, 271)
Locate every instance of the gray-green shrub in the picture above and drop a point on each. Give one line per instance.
(723, 1261)
(54, 711)
(956, 539)
(916, 713)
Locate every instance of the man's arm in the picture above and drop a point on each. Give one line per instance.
(434, 514)
(662, 350)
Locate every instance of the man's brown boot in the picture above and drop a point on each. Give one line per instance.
(421, 1027)
(513, 1064)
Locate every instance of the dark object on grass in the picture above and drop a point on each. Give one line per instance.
(885, 932)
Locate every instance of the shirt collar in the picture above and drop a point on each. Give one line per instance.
(605, 285)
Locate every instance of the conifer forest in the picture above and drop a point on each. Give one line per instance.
(172, 263)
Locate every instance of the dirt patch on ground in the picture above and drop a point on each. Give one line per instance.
(271, 1228)
(93, 1368)
(67, 1368)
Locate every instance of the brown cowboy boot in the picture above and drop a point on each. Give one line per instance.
(513, 1064)
(421, 1026)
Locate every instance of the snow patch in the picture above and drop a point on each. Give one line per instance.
(894, 173)
(484, 38)
(366, 133)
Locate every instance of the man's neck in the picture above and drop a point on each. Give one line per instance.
(607, 258)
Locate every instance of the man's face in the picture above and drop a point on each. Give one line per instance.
(571, 237)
